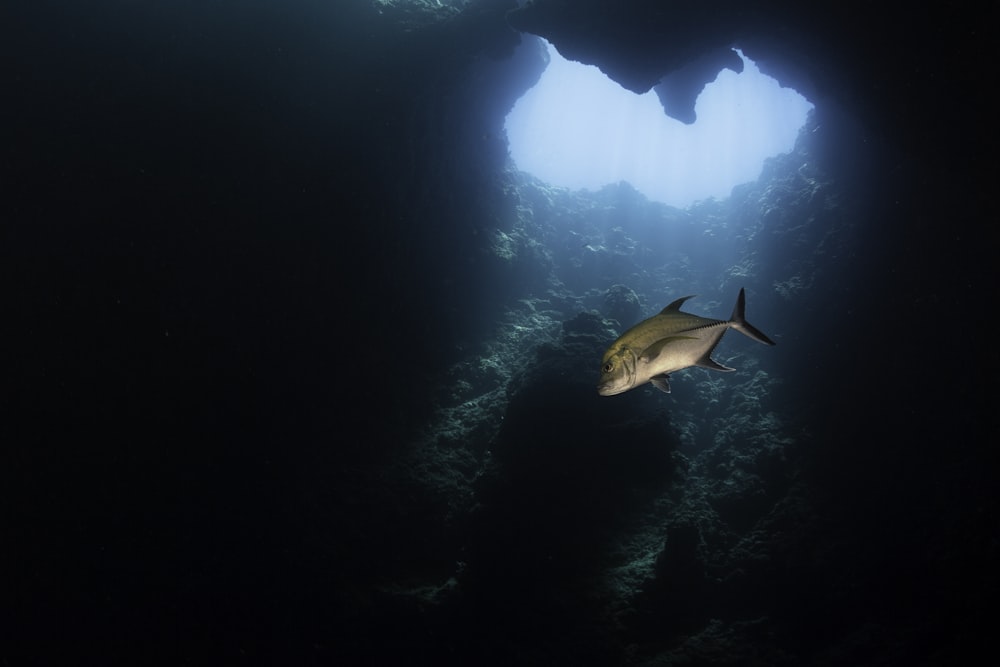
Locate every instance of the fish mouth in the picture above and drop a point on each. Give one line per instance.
(606, 390)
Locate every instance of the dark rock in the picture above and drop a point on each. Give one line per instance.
(622, 303)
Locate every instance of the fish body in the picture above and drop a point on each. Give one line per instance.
(668, 342)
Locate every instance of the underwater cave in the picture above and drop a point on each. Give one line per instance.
(304, 361)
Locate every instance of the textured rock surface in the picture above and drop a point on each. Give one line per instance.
(298, 370)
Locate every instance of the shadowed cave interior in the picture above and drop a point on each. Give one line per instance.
(302, 369)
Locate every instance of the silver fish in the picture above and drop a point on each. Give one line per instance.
(668, 342)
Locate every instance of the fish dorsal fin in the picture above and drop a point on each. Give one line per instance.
(661, 382)
(676, 305)
(654, 350)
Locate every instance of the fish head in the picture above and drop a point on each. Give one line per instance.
(617, 371)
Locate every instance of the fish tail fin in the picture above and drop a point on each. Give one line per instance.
(739, 321)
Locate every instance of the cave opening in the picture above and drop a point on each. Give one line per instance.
(578, 129)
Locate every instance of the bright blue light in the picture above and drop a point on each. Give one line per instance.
(578, 129)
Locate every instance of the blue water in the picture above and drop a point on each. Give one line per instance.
(298, 368)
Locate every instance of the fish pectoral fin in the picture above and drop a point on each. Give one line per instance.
(654, 350)
(661, 382)
(709, 362)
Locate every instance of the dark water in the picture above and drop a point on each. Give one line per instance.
(298, 370)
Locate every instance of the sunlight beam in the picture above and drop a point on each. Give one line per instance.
(578, 129)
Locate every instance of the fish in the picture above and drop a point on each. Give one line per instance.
(656, 347)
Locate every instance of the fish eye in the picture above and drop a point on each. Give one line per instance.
(608, 367)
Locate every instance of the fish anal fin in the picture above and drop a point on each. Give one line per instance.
(709, 362)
